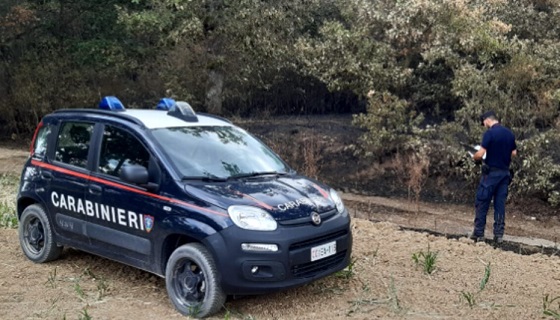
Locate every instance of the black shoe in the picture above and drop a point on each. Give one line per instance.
(498, 240)
(476, 238)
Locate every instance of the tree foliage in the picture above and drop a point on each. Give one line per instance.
(418, 71)
(442, 64)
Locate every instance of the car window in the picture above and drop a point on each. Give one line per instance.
(40, 147)
(120, 148)
(220, 151)
(73, 143)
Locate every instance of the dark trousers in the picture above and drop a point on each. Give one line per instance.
(493, 185)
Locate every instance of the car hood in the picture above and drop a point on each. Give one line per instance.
(285, 198)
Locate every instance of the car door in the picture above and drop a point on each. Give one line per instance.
(124, 218)
(67, 177)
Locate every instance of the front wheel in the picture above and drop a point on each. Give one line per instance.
(192, 281)
(36, 235)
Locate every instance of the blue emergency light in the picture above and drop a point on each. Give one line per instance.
(111, 103)
(165, 104)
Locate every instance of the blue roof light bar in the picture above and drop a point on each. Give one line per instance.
(111, 103)
(165, 104)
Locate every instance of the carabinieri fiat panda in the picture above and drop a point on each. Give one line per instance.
(189, 197)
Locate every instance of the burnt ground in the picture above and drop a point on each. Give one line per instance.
(329, 143)
(385, 282)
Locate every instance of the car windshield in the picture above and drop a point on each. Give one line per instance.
(218, 152)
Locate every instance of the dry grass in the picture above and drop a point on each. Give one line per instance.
(301, 151)
(413, 170)
(311, 156)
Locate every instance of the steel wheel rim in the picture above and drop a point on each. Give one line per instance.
(34, 235)
(189, 282)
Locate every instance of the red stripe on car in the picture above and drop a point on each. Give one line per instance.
(121, 186)
(260, 203)
(323, 192)
(31, 148)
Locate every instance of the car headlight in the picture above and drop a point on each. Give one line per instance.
(337, 201)
(252, 218)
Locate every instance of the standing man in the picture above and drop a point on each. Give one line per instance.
(498, 143)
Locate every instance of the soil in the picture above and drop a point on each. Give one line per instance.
(470, 280)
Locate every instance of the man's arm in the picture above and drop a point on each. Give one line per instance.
(479, 154)
(514, 153)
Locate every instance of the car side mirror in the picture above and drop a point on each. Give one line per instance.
(134, 174)
(139, 175)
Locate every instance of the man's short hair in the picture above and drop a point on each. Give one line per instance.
(486, 115)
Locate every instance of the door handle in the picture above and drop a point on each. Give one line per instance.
(47, 175)
(95, 189)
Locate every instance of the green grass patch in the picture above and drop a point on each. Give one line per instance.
(8, 191)
(84, 315)
(426, 259)
(469, 297)
(347, 272)
(486, 277)
(551, 306)
(8, 218)
(9, 181)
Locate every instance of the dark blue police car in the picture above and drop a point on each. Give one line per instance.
(190, 197)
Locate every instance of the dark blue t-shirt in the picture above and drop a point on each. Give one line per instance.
(499, 142)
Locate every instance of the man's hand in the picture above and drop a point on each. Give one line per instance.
(480, 154)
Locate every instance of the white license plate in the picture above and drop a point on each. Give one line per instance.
(323, 251)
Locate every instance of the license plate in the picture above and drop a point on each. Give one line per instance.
(323, 251)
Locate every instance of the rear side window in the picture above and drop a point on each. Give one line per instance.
(120, 148)
(73, 143)
(40, 146)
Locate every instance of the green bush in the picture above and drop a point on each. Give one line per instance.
(390, 123)
(538, 174)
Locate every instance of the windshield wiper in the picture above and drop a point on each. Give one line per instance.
(205, 178)
(257, 174)
(213, 178)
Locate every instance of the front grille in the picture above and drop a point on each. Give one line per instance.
(319, 240)
(325, 216)
(310, 269)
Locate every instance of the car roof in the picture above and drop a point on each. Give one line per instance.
(155, 119)
(151, 118)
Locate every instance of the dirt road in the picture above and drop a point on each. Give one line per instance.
(385, 282)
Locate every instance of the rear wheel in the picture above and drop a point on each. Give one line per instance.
(36, 235)
(192, 281)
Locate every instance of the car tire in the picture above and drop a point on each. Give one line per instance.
(36, 235)
(192, 281)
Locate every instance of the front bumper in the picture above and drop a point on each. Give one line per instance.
(290, 266)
